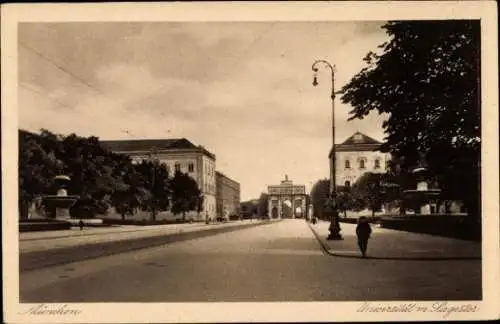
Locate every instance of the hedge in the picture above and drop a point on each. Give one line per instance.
(453, 226)
(35, 225)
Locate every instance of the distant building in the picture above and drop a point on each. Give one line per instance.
(356, 156)
(227, 196)
(178, 155)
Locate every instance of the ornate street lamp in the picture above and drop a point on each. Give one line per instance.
(332, 204)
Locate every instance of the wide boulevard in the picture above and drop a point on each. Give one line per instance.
(278, 261)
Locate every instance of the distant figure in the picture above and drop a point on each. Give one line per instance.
(363, 231)
(80, 223)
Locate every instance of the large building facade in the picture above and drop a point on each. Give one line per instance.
(227, 196)
(356, 156)
(178, 155)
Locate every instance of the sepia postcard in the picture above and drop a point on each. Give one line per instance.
(222, 162)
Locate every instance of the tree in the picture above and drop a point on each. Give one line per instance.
(345, 200)
(99, 177)
(319, 197)
(426, 78)
(263, 204)
(249, 208)
(186, 195)
(200, 203)
(126, 198)
(367, 189)
(37, 169)
(45, 155)
(155, 183)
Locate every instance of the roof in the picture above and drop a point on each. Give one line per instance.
(149, 144)
(359, 138)
(357, 142)
(146, 144)
(221, 176)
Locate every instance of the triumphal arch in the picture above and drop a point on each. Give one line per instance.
(286, 191)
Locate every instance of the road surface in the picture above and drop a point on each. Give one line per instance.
(281, 261)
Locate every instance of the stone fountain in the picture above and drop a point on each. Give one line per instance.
(422, 195)
(61, 202)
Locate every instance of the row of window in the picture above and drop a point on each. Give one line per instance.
(210, 169)
(362, 164)
(190, 167)
(178, 167)
(211, 208)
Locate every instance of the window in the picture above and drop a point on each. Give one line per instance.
(191, 167)
(362, 164)
(177, 167)
(377, 164)
(347, 164)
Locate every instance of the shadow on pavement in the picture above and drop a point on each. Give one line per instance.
(326, 250)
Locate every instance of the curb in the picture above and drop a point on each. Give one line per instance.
(42, 259)
(326, 250)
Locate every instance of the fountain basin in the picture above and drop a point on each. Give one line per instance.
(60, 204)
(60, 201)
(422, 200)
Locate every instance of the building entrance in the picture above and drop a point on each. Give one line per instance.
(287, 200)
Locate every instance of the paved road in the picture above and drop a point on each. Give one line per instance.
(280, 261)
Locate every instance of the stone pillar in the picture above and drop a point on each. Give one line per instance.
(270, 206)
(292, 200)
(279, 207)
(62, 213)
(303, 206)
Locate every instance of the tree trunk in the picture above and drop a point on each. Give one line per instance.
(402, 209)
(23, 209)
(153, 214)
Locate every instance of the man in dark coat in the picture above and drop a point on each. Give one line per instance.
(363, 231)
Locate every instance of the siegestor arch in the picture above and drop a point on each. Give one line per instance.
(278, 194)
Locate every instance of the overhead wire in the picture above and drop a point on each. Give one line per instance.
(90, 86)
(75, 77)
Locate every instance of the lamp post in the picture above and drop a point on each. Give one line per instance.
(334, 220)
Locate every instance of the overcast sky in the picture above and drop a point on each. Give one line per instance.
(242, 90)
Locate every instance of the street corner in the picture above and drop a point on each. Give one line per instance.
(344, 247)
(387, 244)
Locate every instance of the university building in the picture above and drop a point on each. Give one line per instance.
(227, 196)
(178, 155)
(356, 156)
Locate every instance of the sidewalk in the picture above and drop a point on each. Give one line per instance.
(396, 245)
(47, 240)
(41, 253)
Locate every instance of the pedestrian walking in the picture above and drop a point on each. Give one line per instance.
(363, 232)
(80, 223)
